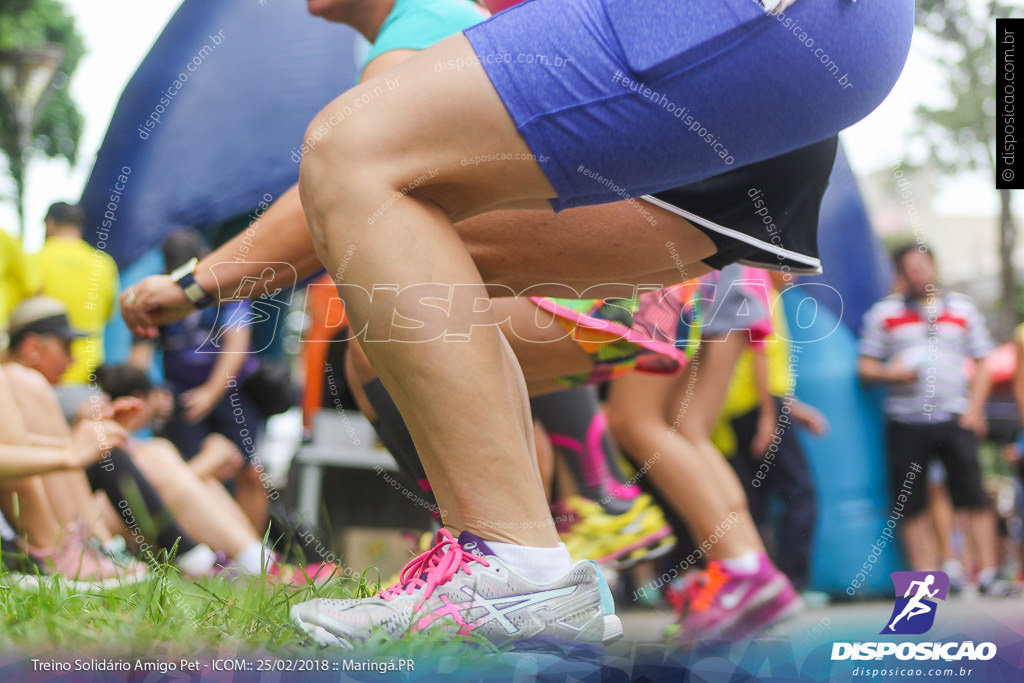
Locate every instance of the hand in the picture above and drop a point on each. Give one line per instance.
(218, 457)
(898, 373)
(126, 409)
(1011, 453)
(810, 418)
(974, 421)
(156, 300)
(765, 431)
(92, 439)
(163, 403)
(199, 402)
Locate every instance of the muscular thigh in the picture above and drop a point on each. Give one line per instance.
(436, 133)
(701, 391)
(586, 248)
(443, 135)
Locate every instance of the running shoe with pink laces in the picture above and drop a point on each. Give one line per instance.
(721, 603)
(461, 587)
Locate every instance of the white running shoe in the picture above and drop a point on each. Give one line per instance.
(462, 587)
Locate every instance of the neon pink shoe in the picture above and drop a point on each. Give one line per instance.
(786, 604)
(720, 603)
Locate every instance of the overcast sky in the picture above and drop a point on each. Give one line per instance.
(119, 33)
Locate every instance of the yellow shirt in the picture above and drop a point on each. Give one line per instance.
(18, 277)
(742, 396)
(86, 280)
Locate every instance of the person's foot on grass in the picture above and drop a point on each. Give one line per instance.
(80, 559)
(462, 587)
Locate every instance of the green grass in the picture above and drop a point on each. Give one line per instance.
(166, 617)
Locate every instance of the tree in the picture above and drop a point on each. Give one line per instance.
(27, 24)
(962, 135)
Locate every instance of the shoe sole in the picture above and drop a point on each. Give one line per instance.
(764, 619)
(605, 522)
(648, 540)
(660, 549)
(318, 633)
(612, 631)
(764, 597)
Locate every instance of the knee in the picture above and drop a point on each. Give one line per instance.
(630, 431)
(338, 166)
(336, 144)
(692, 428)
(158, 447)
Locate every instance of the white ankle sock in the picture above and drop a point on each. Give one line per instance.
(540, 565)
(747, 563)
(197, 561)
(250, 557)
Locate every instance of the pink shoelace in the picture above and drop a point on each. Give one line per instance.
(433, 568)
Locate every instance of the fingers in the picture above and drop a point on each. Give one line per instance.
(116, 435)
(759, 445)
(101, 410)
(818, 423)
(195, 408)
(191, 408)
(135, 307)
(127, 404)
(126, 409)
(96, 438)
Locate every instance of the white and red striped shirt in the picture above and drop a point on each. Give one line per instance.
(936, 337)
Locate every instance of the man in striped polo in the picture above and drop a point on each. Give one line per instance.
(918, 342)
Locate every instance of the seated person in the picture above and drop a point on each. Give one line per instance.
(60, 531)
(192, 490)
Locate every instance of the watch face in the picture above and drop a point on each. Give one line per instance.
(195, 293)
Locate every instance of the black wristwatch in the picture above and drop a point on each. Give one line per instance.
(185, 277)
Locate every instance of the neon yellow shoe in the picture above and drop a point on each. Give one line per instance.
(618, 540)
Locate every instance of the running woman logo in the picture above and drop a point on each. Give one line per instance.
(263, 304)
(914, 612)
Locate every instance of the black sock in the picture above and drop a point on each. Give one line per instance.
(395, 436)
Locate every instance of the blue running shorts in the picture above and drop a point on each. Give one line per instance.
(621, 98)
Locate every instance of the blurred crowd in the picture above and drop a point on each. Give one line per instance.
(111, 469)
(107, 474)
